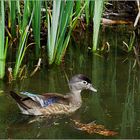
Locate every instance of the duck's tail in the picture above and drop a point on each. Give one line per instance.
(19, 100)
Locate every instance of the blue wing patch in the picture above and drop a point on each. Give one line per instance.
(50, 101)
(37, 98)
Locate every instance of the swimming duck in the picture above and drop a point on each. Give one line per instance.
(54, 103)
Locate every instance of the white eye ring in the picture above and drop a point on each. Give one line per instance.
(85, 82)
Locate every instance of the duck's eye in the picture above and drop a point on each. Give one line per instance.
(85, 82)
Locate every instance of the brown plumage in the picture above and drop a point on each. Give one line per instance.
(26, 102)
(54, 103)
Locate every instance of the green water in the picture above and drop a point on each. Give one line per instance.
(116, 105)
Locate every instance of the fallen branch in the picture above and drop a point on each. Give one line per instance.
(106, 21)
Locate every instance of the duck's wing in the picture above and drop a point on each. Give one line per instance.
(25, 103)
(62, 99)
(36, 98)
(47, 98)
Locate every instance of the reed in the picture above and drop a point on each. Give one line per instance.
(23, 38)
(98, 8)
(61, 21)
(52, 30)
(58, 37)
(18, 13)
(87, 11)
(132, 41)
(65, 20)
(36, 22)
(63, 47)
(56, 32)
(12, 17)
(3, 46)
(77, 7)
(91, 9)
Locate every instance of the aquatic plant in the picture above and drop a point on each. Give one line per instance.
(23, 37)
(58, 35)
(87, 11)
(98, 8)
(91, 9)
(77, 7)
(36, 23)
(3, 47)
(130, 46)
(60, 20)
(52, 30)
(12, 17)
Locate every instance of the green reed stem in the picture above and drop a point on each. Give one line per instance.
(64, 38)
(91, 9)
(52, 30)
(2, 36)
(77, 7)
(12, 6)
(87, 11)
(96, 20)
(36, 22)
(132, 41)
(22, 48)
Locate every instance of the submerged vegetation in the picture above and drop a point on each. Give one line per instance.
(30, 27)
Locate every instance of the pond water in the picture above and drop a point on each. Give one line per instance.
(116, 105)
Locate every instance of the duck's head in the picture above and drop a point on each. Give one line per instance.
(80, 82)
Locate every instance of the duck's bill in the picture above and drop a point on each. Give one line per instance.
(92, 88)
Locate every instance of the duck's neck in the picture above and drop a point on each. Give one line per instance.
(75, 97)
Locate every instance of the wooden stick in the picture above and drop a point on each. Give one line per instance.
(138, 15)
(37, 67)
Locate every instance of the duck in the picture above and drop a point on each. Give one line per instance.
(54, 103)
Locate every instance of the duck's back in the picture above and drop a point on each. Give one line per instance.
(46, 104)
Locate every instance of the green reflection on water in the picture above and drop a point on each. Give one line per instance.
(115, 105)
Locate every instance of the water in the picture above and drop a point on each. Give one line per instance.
(116, 105)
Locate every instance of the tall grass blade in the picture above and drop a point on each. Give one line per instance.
(36, 25)
(18, 13)
(132, 41)
(13, 17)
(96, 20)
(52, 36)
(91, 9)
(64, 39)
(77, 7)
(22, 48)
(87, 11)
(2, 35)
(65, 18)
(26, 15)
